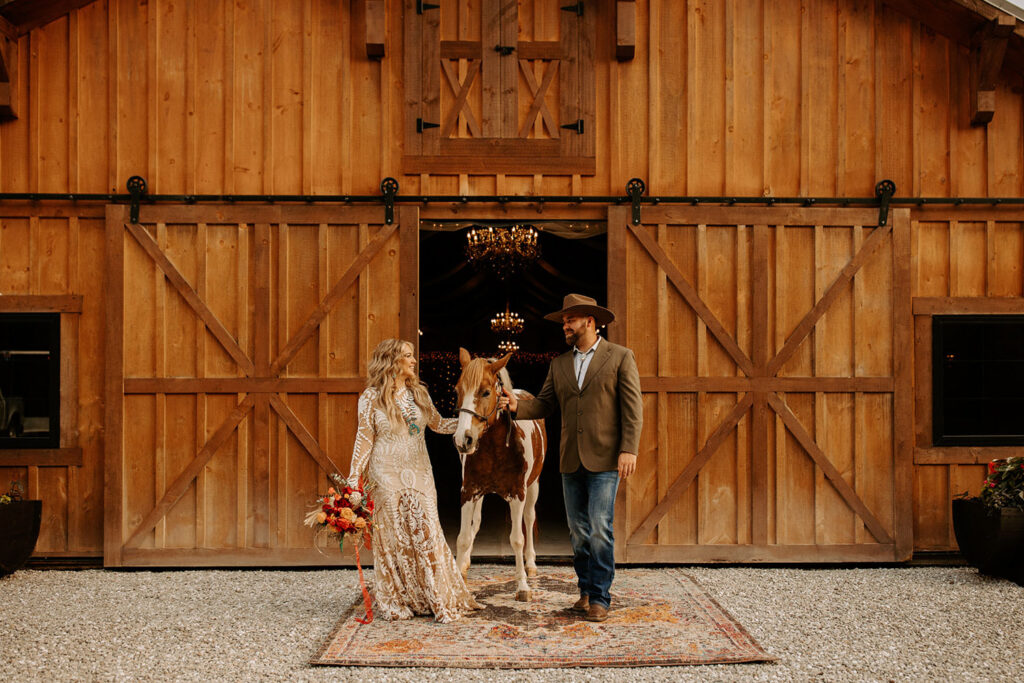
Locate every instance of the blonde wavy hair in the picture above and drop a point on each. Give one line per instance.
(382, 374)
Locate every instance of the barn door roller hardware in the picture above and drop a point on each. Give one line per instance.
(136, 188)
(884, 190)
(634, 188)
(884, 198)
(389, 186)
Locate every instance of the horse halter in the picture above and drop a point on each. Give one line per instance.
(487, 418)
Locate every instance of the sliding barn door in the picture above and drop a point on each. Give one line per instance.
(774, 350)
(237, 346)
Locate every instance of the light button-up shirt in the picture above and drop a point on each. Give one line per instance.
(581, 360)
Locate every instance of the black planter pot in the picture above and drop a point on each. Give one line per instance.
(991, 540)
(19, 529)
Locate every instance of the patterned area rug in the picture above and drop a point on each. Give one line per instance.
(659, 617)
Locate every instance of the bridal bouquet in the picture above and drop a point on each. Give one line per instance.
(345, 512)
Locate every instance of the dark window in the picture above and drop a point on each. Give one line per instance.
(29, 380)
(978, 380)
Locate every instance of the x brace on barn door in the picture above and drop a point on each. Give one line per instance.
(759, 390)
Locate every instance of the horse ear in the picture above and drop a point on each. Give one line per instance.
(463, 356)
(497, 365)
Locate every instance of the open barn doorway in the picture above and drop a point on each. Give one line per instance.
(458, 300)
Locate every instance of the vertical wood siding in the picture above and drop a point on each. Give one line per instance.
(779, 97)
(783, 97)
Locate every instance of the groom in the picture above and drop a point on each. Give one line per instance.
(597, 387)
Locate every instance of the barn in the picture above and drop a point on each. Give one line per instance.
(808, 216)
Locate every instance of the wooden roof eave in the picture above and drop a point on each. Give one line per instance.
(18, 17)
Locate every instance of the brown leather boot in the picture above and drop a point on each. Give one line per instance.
(581, 605)
(597, 613)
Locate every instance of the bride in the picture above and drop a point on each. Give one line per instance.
(413, 567)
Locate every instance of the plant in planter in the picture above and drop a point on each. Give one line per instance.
(19, 528)
(990, 527)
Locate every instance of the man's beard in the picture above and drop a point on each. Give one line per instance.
(571, 338)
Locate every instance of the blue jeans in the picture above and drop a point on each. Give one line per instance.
(590, 510)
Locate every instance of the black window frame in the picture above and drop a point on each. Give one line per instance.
(52, 437)
(941, 324)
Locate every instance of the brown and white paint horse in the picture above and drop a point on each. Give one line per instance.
(499, 456)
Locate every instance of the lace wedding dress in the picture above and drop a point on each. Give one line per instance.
(413, 568)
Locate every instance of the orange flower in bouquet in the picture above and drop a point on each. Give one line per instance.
(345, 512)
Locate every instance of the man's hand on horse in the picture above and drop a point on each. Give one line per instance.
(627, 464)
(508, 401)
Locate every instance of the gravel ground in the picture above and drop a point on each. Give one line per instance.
(922, 623)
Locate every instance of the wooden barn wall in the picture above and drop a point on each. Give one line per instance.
(779, 97)
(973, 263)
(52, 255)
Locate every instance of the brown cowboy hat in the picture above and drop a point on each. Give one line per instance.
(577, 304)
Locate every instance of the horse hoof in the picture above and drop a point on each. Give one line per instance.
(524, 596)
(531, 572)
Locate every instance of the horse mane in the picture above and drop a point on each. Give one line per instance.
(473, 373)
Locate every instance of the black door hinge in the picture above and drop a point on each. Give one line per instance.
(577, 8)
(576, 126)
(422, 125)
(421, 6)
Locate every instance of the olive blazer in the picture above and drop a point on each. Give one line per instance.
(600, 419)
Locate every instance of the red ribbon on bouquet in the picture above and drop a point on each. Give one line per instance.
(362, 584)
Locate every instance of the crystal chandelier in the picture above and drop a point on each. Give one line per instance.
(507, 323)
(508, 346)
(502, 250)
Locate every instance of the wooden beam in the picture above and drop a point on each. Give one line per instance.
(987, 55)
(333, 297)
(26, 15)
(41, 303)
(300, 431)
(242, 557)
(968, 305)
(842, 487)
(188, 293)
(717, 554)
(113, 418)
(41, 457)
(8, 66)
(374, 15)
(964, 455)
(844, 278)
(687, 476)
(177, 489)
(243, 385)
(7, 29)
(729, 385)
(625, 30)
(689, 293)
